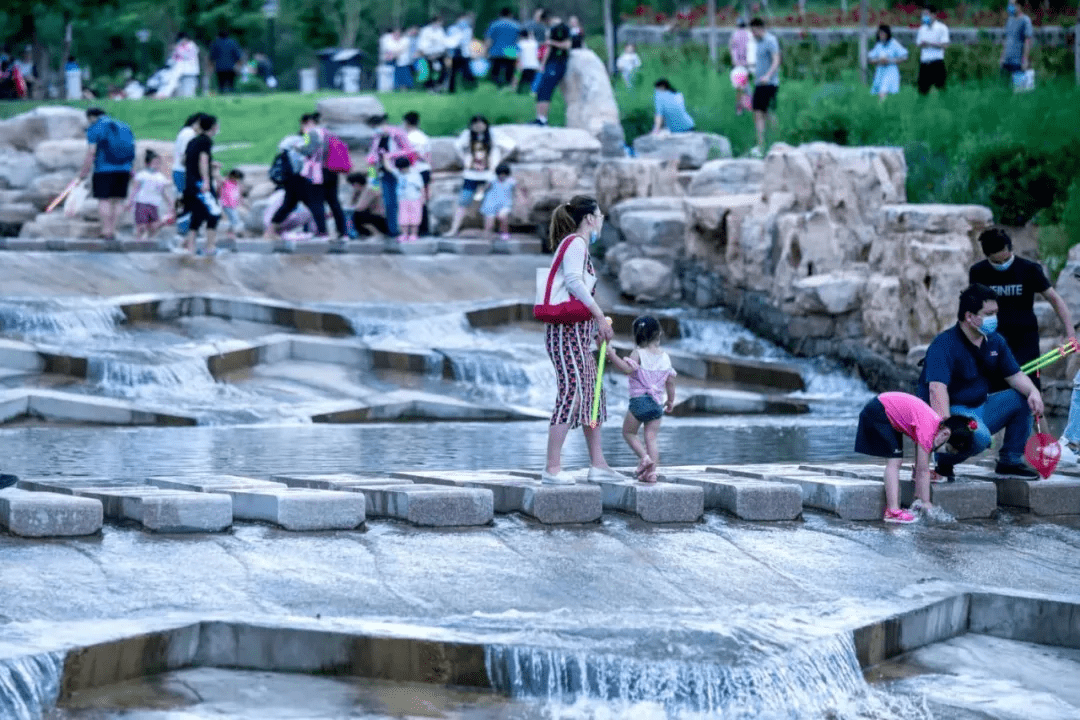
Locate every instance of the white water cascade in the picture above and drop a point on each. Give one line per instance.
(29, 685)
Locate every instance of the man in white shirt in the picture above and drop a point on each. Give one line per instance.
(932, 39)
(432, 44)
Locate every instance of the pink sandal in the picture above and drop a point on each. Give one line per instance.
(902, 517)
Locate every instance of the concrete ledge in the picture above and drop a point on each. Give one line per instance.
(20, 356)
(430, 505)
(1058, 495)
(658, 503)
(963, 499)
(13, 404)
(421, 246)
(290, 508)
(1030, 619)
(40, 514)
(738, 371)
(744, 498)
(59, 406)
(910, 630)
(337, 481)
(465, 246)
(549, 504)
(520, 245)
(850, 498)
(737, 402)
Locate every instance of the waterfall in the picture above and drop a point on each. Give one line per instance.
(118, 376)
(34, 319)
(818, 678)
(30, 685)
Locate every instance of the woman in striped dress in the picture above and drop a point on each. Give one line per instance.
(570, 345)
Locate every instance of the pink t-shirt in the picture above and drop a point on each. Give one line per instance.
(911, 416)
(230, 194)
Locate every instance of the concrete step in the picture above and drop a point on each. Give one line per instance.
(293, 509)
(850, 498)
(44, 514)
(742, 497)
(655, 503)
(964, 499)
(1057, 495)
(427, 505)
(549, 504)
(156, 509)
(337, 481)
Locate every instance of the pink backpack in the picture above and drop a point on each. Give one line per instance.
(337, 155)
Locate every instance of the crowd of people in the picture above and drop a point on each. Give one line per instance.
(390, 197)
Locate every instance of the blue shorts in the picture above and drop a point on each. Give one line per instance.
(468, 192)
(645, 409)
(550, 79)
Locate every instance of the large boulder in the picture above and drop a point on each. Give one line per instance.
(659, 202)
(534, 143)
(349, 109)
(54, 155)
(691, 149)
(851, 183)
(931, 279)
(444, 155)
(885, 325)
(48, 122)
(728, 177)
(17, 168)
(44, 188)
(710, 220)
(811, 243)
(646, 280)
(624, 178)
(832, 293)
(590, 101)
(656, 228)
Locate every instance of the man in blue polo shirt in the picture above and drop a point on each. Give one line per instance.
(961, 365)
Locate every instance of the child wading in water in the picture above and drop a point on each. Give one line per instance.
(149, 193)
(651, 375)
(410, 194)
(883, 423)
(499, 201)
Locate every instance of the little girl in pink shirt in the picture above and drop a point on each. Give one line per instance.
(651, 378)
(883, 423)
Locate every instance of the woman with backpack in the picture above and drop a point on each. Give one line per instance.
(306, 183)
(335, 164)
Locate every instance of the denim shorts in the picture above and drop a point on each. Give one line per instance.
(468, 192)
(645, 409)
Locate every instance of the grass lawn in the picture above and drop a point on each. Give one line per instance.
(263, 120)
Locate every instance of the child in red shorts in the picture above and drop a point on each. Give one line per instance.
(883, 423)
(149, 191)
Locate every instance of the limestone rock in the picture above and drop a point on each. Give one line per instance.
(935, 218)
(17, 168)
(709, 220)
(48, 122)
(751, 250)
(44, 188)
(811, 244)
(444, 155)
(534, 143)
(852, 183)
(832, 293)
(646, 280)
(885, 324)
(17, 213)
(663, 228)
(53, 155)
(728, 177)
(624, 178)
(691, 149)
(349, 109)
(931, 279)
(590, 101)
(660, 202)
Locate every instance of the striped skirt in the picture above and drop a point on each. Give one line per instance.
(569, 347)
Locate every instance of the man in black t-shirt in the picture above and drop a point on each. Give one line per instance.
(1016, 281)
(200, 198)
(555, 62)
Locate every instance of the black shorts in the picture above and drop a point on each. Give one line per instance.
(931, 74)
(645, 409)
(876, 436)
(200, 213)
(110, 185)
(764, 97)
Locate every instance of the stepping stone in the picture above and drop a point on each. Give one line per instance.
(338, 481)
(465, 246)
(156, 509)
(517, 245)
(43, 514)
(742, 497)
(366, 247)
(850, 498)
(421, 246)
(964, 499)
(429, 505)
(550, 504)
(1057, 495)
(656, 503)
(294, 509)
(261, 247)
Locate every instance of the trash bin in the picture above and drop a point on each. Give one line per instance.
(350, 79)
(73, 84)
(309, 82)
